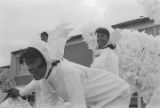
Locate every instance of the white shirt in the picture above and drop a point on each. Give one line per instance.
(106, 59)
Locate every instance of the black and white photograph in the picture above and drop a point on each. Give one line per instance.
(79, 53)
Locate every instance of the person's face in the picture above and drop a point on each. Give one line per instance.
(102, 39)
(44, 38)
(35, 68)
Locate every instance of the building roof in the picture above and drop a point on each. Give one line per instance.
(150, 26)
(7, 66)
(74, 38)
(17, 51)
(131, 22)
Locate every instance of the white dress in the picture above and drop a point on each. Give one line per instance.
(107, 60)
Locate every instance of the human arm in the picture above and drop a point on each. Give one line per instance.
(15, 93)
(28, 89)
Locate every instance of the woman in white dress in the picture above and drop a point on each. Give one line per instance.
(105, 57)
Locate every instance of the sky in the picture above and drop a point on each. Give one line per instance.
(21, 21)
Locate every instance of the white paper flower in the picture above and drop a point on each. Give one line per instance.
(139, 56)
(88, 33)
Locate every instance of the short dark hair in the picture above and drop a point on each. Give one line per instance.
(44, 33)
(31, 53)
(102, 30)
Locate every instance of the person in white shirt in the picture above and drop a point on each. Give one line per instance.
(104, 57)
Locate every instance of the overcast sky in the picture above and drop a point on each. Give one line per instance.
(22, 20)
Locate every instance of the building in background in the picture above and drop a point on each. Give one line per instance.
(141, 24)
(4, 68)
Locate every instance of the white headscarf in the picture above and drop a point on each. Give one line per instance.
(54, 49)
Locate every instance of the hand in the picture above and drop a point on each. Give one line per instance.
(13, 93)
